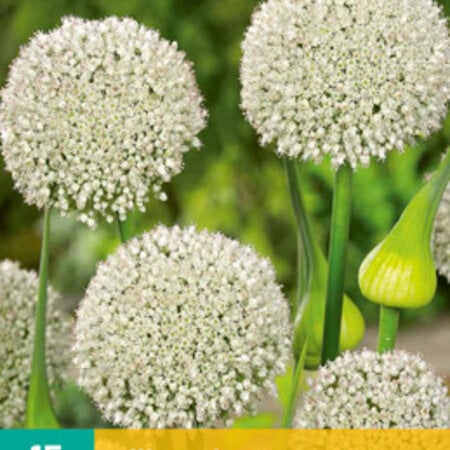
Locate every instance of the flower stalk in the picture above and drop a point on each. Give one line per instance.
(126, 229)
(340, 224)
(40, 412)
(312, 279)
(387, 332)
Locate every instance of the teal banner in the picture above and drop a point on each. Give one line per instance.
(46, 439)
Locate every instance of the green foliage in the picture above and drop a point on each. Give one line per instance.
(231, 185)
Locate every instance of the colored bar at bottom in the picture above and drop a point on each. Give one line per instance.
(46, 439)
(224, 439)
(272, 439)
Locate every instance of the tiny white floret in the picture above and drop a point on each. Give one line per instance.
(96, 114)
(181, 329)
(345, 79)
(18, 295)
(367, 389)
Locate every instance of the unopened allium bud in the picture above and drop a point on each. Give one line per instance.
(18, 295)
(181, 328)
(97, 114)
(441, 240)
(349, 79)
(372, 390)
(400, 271)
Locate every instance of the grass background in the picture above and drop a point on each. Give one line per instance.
(231, 185)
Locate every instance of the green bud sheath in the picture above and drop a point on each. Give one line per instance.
(310, 318)
(399, 272)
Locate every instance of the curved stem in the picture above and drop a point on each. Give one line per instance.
(40, 413)
(340, 224)
(387, 329)
(296, 384)
(304, 246)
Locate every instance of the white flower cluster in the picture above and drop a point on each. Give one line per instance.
(371, 390)
(18, 295)
(181, 328)
(97, 113)
(441, 238)
(346, 78)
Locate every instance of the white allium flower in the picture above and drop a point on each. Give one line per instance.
(18, 296)
(371, 390)
(441, 238)
(97, 113)
(346, 78)
(181, 328)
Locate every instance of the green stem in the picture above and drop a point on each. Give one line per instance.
(296, 384)
(387, 330)
(340, 224)
(304, 248)
(40, 413)
(126, 229)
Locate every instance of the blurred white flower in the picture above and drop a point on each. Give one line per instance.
(346, 78)
(95, 114)
(18, 296)
(441, 238)
(371, 390)
(181, 328)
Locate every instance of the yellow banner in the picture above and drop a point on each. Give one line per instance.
(272, 439)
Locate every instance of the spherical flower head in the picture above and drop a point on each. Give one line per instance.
(181, 329)
(441, 238)
(95, 114)
(18, 295)
(348, 79)
(371, 390)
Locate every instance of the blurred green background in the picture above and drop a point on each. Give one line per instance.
(231, 185)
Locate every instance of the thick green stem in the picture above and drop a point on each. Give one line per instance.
(340, 224)
(40, 413)
(304, 248)
(387, 329)
(126, 229)
(295, 387)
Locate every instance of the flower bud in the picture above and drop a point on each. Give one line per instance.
(400, 272)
